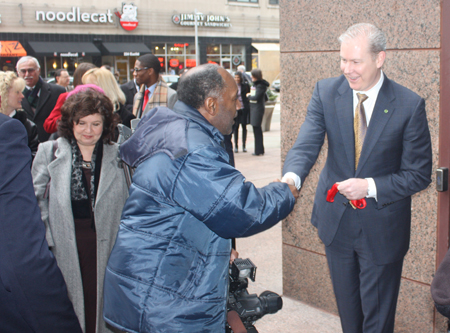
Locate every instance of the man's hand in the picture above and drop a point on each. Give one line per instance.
(292, 187)
(234, 255)
(354, 188)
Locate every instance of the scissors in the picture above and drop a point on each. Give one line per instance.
(360, 203)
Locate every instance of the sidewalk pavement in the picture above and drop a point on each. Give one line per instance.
(265, 249)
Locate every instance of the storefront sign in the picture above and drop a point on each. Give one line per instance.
(214, 21)
(75, 16)
(68, 54)
(128, 17)
(236, 60)
(174, 63)
(131, 54)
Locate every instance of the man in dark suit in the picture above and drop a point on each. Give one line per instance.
(40, 96)
(379, 149)
(33, 295)
(129, 89)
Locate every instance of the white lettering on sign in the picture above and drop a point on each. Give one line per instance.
(216, 21)
(69, 54)
(75, 16)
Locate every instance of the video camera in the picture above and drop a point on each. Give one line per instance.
(249, 308)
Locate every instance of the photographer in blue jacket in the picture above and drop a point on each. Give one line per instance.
(168, 270)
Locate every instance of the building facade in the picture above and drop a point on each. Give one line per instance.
(63, 34)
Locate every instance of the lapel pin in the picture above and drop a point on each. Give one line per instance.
(386, 111)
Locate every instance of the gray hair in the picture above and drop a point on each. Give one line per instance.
(197, 85)
(25, 59)
(375, 37)
(241, 68)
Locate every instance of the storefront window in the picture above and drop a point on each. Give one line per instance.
(213, 49)
(175, 56)
(159, 48)
(226, 48)
(123, 66)
(8, 63)
(51, 64)
(229, 56)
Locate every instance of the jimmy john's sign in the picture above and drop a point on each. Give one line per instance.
(203, 20)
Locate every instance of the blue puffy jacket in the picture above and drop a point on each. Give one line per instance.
(168, 270)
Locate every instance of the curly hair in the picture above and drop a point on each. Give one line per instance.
(8, 80)
(82, 104)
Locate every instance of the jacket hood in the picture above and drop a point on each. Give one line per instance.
(263, 82)
(164, 130)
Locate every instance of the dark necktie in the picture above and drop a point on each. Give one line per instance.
(359, 126)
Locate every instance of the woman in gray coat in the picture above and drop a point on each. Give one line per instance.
(81, 192)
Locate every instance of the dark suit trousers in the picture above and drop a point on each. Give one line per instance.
(259, 143)
(239, 120)
(366, 293)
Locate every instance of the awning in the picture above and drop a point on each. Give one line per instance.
(11, 48)
(126, 49)
(64, 49)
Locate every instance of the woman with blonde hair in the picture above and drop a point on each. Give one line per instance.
(11, 96)
(105, 79)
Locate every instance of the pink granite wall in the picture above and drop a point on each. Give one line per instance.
(310, 52)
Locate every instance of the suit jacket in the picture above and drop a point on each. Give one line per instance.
(172, 98)
(56, 211)
(33, 295)
(47, 99)
(396, 153)
(129, 89)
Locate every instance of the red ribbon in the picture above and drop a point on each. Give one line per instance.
(360, 203)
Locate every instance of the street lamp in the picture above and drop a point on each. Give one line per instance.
(197, 53)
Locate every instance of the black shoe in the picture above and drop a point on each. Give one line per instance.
(258, 154)
(236, 150)
(244, 150)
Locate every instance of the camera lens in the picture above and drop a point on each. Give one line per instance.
(270, 302)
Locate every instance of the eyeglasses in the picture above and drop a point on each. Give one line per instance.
(29, 70)
(137, 70)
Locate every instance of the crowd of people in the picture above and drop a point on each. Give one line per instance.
(85, 251)
(80, 188)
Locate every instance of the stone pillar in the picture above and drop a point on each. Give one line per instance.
(309, 53)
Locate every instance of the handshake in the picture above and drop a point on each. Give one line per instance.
(291, 184)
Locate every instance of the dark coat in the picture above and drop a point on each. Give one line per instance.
(168, 271)
(244, 118)
(48, 97)
(129, 89)
(257, 102)
(396, 154)
(33, 295)
(125, 115)
(440, 287)
(32, 131)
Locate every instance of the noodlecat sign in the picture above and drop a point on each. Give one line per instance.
(76, 15)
